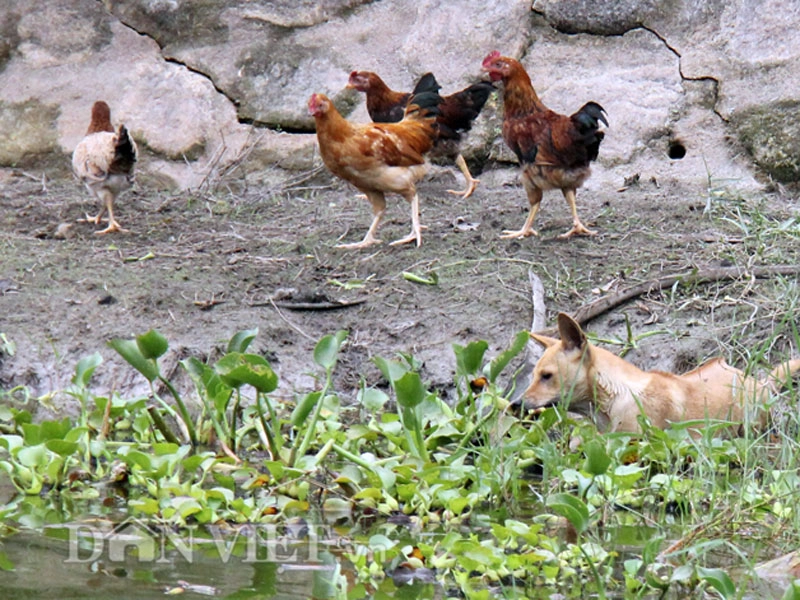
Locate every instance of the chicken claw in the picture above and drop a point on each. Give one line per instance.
(472, 184)
(112, 227)
(577, 229)
(95, 220)
(411, 237)
(518, 234)
(365, 243)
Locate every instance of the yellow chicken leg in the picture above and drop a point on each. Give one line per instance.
(472, 183)
(378, 201)
(578, 228)
(106, 198)
(416, 229)
(534, 199)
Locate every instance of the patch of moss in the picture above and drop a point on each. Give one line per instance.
(29, 132)
(9, 37)
(771, 134)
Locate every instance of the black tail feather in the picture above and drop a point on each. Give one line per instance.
(587, 121)
(124, 152)
(590, 116)
(426, 83)
(462, 108)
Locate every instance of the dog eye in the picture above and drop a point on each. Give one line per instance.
(546, 376)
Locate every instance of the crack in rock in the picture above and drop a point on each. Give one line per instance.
(714, 81)
(176, 61)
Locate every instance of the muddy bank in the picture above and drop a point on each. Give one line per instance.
(199, 267)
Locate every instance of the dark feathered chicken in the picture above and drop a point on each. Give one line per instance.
(456, 114)
(554, 150)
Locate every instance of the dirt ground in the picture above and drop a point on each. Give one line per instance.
(200, 266)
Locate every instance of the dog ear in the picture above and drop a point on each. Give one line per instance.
(572, 336)
(543, 340)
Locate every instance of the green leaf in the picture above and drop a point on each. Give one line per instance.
(501, 361)
(432, 279)
(792, 592)
(409, 389)
(140, 459)
(390, 369)
(380, 542)
(32, 456)
(31, 433)
(55, 430)
(237, 369)
(327, 349)
(597, 459)
(148, 506)
(75, 434)
(683, 573)
(626, 475)
(186, 506)
(241, 340)
(208, 383)
(85, 368)
(152, 344)
(11, 442)
(719, 580)
(129, 350)
(387, 476)
(458, 504)
(165, 449)
(5, 563)
(571, 508)
(304, 408)
(193, 461)
(470, 357)
(61, 447)
(372, 399)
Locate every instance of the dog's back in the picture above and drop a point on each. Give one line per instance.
(614, 392)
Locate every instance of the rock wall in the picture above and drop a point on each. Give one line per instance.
(205, 83)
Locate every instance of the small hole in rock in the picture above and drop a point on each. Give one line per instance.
(676, 150)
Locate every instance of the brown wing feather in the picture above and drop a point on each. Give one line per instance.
(548, 138)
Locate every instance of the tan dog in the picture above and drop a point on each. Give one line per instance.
(614, 393)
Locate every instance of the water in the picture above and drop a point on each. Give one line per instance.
(133, 559)
(47, 566)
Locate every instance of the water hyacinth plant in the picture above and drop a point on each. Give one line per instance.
(457, 497)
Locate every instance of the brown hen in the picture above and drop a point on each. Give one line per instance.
(554, 150)
(379, 158)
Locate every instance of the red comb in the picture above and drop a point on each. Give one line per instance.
(492, 56)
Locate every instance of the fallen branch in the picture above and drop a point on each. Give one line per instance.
(594, 309)
(533, 351)
(332, 305)
(537, 298)
(310, 306)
